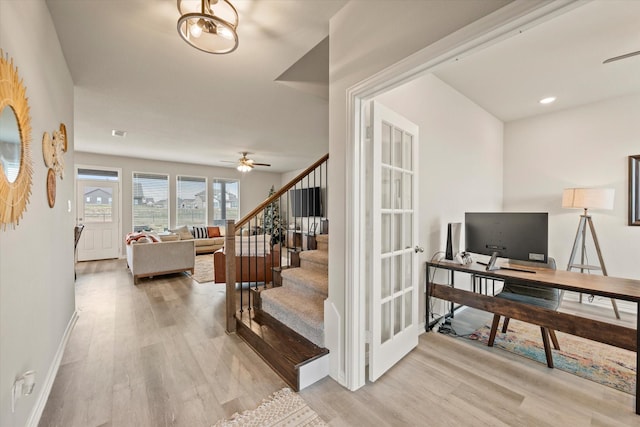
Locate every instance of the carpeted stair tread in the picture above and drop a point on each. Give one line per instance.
(315, 260)
(300, 311)
(324, 238)
(322, 242)
(306, 281)
(319, 257)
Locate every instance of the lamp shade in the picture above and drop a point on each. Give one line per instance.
(588, 198)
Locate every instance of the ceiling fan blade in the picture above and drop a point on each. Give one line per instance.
(617, 58)
(260, 164)
(228, 161)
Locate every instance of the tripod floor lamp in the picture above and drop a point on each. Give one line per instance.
(588, 198)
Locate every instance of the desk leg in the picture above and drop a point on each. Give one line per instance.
(452, 276)
(427, 317)
(638, 360)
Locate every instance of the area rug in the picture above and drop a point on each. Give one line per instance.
(204, 268)
(602, 363)
(283, 408)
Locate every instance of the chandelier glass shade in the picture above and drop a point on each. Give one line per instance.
(244, 168)
(208, 25)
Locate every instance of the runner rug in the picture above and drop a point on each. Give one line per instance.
(283, 408)
(203, 271)
(602, 363)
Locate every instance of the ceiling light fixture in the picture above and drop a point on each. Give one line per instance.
(244, 168)
(209, 25)
(119, 133)
(547, 100)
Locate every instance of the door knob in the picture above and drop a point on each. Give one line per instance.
(418, 249)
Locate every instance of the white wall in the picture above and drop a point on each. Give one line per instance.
(37, 299)
(358, 50)
(254, 185)
(460, 158)
(580, 147)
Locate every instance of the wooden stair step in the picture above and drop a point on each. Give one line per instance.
(282, 348)
(303, 312)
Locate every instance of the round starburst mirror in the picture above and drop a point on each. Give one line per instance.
(15, 139)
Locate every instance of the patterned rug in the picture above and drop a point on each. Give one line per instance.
(602, 363)
(204, 268)
(283, 408)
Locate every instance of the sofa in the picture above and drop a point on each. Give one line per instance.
(255, 260)
(206, 239)
(157, 258)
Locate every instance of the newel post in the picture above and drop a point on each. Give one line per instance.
(230, 273)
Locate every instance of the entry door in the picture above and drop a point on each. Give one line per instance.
(97, 208)
(395, 288)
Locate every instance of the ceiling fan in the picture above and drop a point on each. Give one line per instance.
(245, 164)
(625, 56)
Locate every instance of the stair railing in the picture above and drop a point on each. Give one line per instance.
(266, 243)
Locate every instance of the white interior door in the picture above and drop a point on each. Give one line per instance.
(97, 208)
(395, 288)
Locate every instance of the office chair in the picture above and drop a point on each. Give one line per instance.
(541, 296)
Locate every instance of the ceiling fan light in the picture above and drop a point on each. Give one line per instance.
(547, 100)
(244, 168)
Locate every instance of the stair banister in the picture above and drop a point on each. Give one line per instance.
(230, 273)
(230, 241)
(280, 192)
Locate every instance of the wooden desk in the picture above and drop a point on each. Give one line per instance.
(611, 287)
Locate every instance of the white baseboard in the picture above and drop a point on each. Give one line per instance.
(312, 372)
(38, 408)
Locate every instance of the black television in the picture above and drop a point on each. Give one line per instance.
(518, 236)
(306, 201)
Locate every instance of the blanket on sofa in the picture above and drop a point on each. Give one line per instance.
(141, 237)
(258, 245)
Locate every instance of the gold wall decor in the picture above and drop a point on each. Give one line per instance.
(53, 149)
(15, 138)
(51, 187)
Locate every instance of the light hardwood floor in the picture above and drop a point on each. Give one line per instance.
(156, 354)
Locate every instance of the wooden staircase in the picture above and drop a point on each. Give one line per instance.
(286, 327)
(283, 319)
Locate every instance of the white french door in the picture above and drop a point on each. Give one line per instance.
(395, 289)
(97, 208)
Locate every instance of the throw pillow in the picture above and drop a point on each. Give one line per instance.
(200, 232)
(183, 232)
(213, 231)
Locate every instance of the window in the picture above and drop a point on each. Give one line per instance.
(191, 201)
(225, 200)
(150, 201)
(97, 174)
(95, 208)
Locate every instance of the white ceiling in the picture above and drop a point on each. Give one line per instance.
(133, 72)
(561, 57)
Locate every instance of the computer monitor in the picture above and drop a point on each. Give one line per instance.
(306, 202)
(518, 236)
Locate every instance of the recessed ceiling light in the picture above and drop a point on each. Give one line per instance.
(547, 100)
(119, 133)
